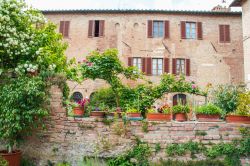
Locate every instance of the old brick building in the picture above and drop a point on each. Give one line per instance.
(206, 46)
(245, 4)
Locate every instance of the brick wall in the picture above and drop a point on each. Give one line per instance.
(70, 139)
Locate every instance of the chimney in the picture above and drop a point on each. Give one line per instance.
(220, 8)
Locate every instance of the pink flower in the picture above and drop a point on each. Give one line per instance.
(84, 61)
(89, 64)
(194, 86)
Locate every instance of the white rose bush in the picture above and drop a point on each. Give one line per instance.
(31, 53)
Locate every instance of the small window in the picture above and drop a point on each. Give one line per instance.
(190, 30)
(158, 29)
(137, 63)
(180, 66)
(77, 96)
(157, 66)
(179, 99)
(224, 31)
(64, 28)
(97, 28)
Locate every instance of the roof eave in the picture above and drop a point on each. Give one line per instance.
(141, 11)
(236, 3)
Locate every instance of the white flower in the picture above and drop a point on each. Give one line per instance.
(26, 65)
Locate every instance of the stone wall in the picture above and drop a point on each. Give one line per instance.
(69, 139)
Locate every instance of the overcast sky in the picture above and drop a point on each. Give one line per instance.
(128, 4)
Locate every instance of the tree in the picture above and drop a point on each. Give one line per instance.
(31, 53)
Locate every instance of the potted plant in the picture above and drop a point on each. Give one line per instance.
(133, 114)
(163, 114)
(242, 113)
(76, 109)
(180, 112)
(99, 111)
(114, 112)
(208, 112)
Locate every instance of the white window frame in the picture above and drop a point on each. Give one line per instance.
(159, 32)
(137, 62)
(180, 66)
(191, 29)
(157, 66)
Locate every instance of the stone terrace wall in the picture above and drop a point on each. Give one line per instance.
(70, 139)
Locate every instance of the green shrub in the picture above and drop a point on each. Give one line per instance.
(209, 109)
(243, 107)
(181, 109)
(133, 110)
(226, 97)
(103, 96)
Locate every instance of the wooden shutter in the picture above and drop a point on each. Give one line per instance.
(183, 29)
(174, 66)
(227, 33)
(199, 31)
(66, 28)
(166, 30)
(149, 66)
(166, 65)
(61, 28)
(187, 67)
(91, 26)
(143, 65)
(221, 33)
(130, 61)
(150, 28)
(101, 25)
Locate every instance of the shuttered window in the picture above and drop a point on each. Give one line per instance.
(157, 66)
(191, 30)
(224, 33)
(96, 28)
(64, 28)
(181, 66)
(137, 62)
(158, 29)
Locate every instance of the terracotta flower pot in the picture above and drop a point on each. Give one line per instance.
(134, 115)
(208, 118)
(14, 158)
(237, 119)
(78, 111)
(99, 114)
(159, 117)
(181, 117)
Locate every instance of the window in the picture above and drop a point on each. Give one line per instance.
(137, 63)
(64, 28)
(77, 96)
(224, 31)
(180, 66)
(179, 99)
(157, 66)
(158, 29)
(96, 28)
(190, 30)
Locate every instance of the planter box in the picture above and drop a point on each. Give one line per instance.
(208, 118)
(78, 111)
(99, 114)
(14, 158)
(180, 117)
(112, 114)
(237, 119)
(159, 117)
(134, 116)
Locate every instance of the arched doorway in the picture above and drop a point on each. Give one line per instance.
(179, 98)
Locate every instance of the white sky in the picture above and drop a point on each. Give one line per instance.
(128, 4)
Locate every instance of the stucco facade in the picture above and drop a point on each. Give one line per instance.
(210, 61)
